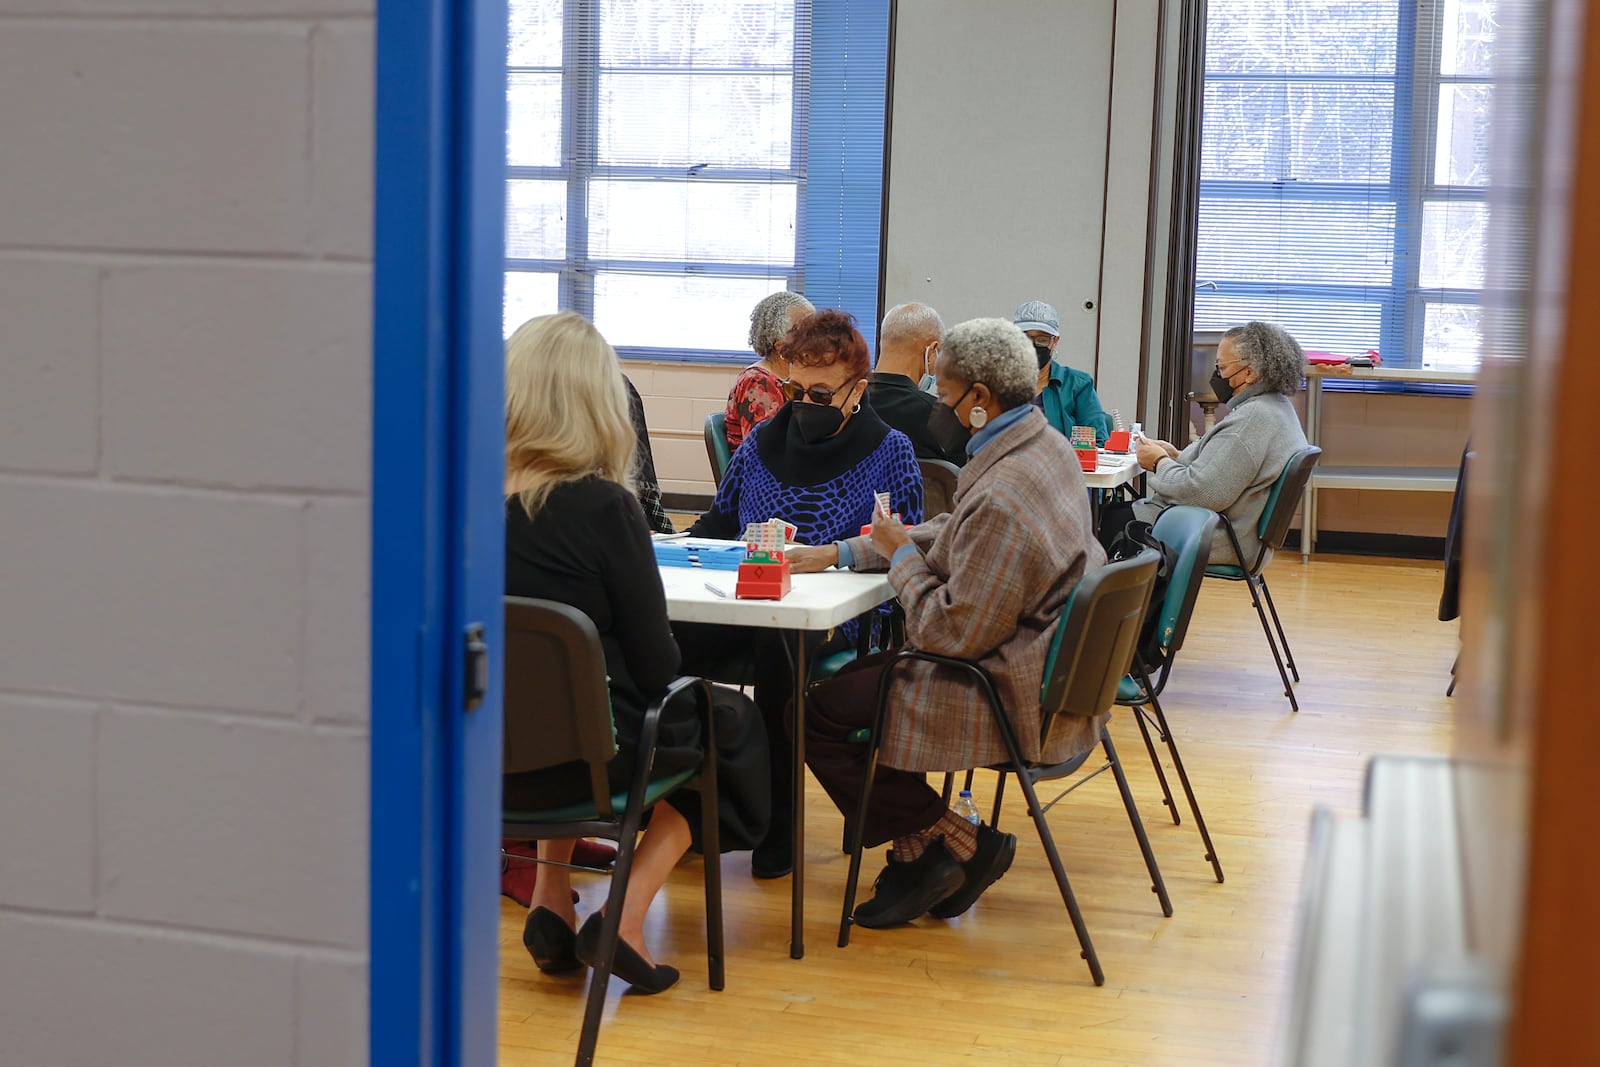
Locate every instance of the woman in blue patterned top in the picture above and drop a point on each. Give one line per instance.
(816, 463)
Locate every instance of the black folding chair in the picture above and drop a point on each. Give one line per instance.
(1272, 528)
(558, 710)
(1092, 650)
(938, 486)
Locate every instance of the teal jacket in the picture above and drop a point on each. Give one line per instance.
(1069, 400)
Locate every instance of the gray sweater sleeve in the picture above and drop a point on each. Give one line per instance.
(1212, 477)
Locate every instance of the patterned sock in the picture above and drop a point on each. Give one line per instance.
(909, 848)
(960, 836)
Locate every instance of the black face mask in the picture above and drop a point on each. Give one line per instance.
(944, 426)
(1043, 352)
(1221, 387)
(815, 422)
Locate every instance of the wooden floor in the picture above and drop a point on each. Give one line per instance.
(1004, 984)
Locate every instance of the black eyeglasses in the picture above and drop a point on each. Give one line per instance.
(818, 394)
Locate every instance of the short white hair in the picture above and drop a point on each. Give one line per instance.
(769, 320)
(996, 353)
(910, 322)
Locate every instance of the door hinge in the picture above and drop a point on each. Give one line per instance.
(475, 668)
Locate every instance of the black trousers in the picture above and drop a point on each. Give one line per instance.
(724, 652)
(903, 802)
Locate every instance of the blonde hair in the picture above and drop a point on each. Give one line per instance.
(566, 409)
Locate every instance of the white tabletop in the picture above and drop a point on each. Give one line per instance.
(815, 601)
(1112, 470)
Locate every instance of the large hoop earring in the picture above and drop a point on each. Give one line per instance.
(979, 417)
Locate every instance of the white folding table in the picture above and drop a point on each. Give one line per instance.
(816, 602)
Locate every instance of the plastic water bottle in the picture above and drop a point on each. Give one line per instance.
(967, 809)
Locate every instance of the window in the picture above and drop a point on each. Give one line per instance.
(657, 164)
(1344, 159)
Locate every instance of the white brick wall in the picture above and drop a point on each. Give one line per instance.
(185, 424)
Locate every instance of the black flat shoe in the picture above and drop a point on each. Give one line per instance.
(551, 942)
(993, 859)
(774, 857)
(627, 964)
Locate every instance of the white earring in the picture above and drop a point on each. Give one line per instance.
(857, 408)
(979, 417)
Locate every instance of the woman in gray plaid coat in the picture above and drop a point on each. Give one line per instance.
(987, 582)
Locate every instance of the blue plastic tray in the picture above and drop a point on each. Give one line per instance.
(690, 554)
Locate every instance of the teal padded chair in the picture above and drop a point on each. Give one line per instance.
(1272, 528)
(558, 710)
(717, 450)
(1188, 531)
(1092, 650)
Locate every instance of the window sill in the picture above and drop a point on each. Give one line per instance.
(1332, 384)
(688, 357)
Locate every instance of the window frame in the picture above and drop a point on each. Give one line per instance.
(1412, 185)
(580, 166)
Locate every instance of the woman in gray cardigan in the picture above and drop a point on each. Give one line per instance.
(1231, 469)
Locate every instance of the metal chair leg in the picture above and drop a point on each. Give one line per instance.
(1255, 600)
(1188, 790)
(999, 794)
(854, 876)
(610, 923)
(1060, 872)
(1155, 761)
(1158, 884)
(1283, 638)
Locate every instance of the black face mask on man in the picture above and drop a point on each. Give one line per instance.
(1043, 354)
(815, 422)
(944, 426)
(1221, 387)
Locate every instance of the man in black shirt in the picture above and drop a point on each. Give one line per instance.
(908, 342)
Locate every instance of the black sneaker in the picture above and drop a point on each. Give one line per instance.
(995, 853)
(904, 891)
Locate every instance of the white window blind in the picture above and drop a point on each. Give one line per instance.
(657, 162)
(1344, 172)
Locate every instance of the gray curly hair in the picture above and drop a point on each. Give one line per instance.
(996, 353)
(769, 320)
(1277, 358)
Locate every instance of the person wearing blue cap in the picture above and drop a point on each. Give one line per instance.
(1066, 395)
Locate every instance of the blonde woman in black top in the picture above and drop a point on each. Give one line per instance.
(576, 533)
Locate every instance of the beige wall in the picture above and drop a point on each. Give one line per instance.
(185, 383)
(677, 398)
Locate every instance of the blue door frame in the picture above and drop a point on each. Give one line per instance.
(437, 528)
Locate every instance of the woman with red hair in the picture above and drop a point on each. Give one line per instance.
(816, 463)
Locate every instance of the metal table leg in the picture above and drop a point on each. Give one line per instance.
(797, 943)
(1308, 502)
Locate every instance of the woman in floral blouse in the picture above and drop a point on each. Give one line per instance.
(757, 394)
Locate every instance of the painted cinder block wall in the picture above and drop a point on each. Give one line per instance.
(185, 292)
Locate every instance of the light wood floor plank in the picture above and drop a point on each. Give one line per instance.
(1005, 984)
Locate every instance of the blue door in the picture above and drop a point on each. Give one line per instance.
(437, 530)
